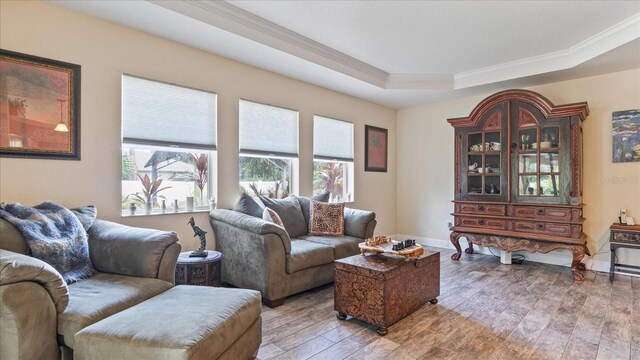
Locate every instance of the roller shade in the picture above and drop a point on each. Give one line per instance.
(332, 139)
(156, 113)
(268, 130)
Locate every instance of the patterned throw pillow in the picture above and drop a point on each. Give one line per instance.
(326, 219)
(272, 216)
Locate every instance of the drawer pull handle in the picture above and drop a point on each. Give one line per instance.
(540, 211)
(480, 208)
(481, 221)
(540, 227)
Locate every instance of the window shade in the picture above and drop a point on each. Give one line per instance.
(332, 139)
(268, 130)
(155, 113)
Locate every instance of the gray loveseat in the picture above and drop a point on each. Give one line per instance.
(260, 255)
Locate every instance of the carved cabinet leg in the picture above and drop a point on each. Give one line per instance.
(455, 240)
(576, 265)
(469, 250)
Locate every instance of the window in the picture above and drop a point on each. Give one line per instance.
(168, 147)
(333, 158)
(268, 149)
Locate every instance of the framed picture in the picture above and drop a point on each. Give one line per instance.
(626, 136)
(39, 107)
(375, 148)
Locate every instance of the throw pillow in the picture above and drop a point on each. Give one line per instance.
(249, 205)
(54, 235)
(86, 215)
(305, 204)
(272, 216)
(290, 213)
(327, 219)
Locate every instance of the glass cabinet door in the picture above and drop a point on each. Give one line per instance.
(537, 154)
(485, 169)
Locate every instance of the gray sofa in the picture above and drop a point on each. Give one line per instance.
(260, 255)
(39, 311)
(128, 310)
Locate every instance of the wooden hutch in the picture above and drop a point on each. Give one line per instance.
(518, 176)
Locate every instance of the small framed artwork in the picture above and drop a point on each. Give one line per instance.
(39, 107)
(626, 136)
(375, 148)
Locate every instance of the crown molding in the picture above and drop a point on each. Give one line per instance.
(607, 40)
(429, 82)
(240, 22)
(237, 21)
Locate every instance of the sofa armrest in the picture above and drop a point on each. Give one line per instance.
(131, 251)
(28, 322)
(251, 224)
(16, 268)
(359, 223)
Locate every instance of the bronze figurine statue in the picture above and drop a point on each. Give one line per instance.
(197, 231)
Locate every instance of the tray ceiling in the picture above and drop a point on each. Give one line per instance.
(400, 53)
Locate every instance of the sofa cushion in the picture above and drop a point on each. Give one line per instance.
(343, 246)
(101, 296)
(249, 205)
(306, 254)
(186, 322)
(290, 213)
(305, 204)
(11, 238)
(86, 214)
(326, 219)
(272, 216)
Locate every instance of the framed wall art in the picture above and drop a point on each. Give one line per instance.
(39, 107)
(626, 136)
(375, 149)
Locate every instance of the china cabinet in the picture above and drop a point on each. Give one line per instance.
(518, 176)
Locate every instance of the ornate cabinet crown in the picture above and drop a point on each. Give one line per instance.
(518, 175)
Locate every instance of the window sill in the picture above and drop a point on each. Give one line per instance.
(139, 213)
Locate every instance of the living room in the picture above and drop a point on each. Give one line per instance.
(412, 199)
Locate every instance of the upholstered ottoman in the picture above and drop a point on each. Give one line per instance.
(185, 322)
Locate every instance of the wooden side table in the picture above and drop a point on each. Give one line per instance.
(199, 270)
(623, 236)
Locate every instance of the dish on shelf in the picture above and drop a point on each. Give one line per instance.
(545, 144)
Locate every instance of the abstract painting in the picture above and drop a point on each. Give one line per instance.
(375, 149)
(39, 107)
(626, 136)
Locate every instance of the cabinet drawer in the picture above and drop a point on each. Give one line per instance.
(542, 213)
(542, 228)
(480, 209)
(499, 224)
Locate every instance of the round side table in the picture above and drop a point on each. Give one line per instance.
(199, 270)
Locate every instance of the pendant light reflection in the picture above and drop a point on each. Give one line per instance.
(61, 127)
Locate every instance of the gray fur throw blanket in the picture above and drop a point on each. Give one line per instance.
(55, 235)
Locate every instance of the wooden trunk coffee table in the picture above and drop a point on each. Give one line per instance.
(383, 289)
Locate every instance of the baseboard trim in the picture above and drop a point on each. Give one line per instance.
(558, 257)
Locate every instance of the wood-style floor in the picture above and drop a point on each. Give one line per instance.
(486, 310)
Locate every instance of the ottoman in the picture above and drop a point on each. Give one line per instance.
(185, 322)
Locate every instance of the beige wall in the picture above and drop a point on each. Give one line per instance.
(425, 151)
(106, 51)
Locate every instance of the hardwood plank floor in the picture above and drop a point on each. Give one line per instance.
(486, 310)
